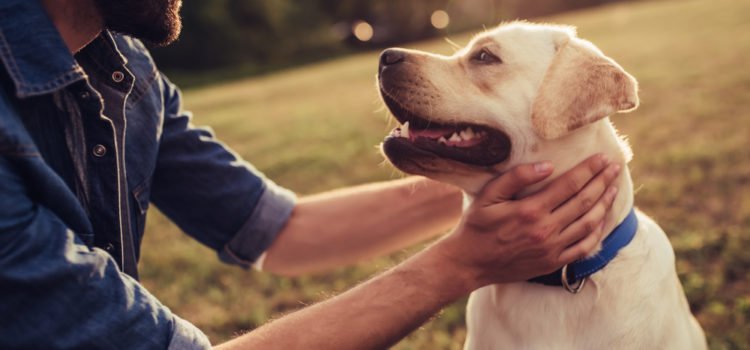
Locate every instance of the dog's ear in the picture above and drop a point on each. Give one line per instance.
(580, 87)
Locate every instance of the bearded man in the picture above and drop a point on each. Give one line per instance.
(91, 133)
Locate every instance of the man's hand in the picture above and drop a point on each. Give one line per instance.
(503, 240)
(498, 240)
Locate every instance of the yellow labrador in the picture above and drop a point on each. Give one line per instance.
(522, 93)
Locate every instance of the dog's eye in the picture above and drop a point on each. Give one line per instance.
(486, 57)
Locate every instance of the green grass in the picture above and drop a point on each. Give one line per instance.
(316, 127)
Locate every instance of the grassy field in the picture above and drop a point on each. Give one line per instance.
(315, 128)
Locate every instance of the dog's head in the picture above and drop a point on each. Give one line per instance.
(511, 95)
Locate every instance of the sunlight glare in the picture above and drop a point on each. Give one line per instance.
(362, 30)
(440, 19)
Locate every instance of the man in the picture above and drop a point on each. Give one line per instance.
(91, 133)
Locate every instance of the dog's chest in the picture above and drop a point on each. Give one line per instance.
(530, 316)
(629, 303)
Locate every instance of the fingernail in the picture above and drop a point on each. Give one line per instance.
(615, 169)
(604, 159)
(611, 192)
(542, 167)
(600, 228)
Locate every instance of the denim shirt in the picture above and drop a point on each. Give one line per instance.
(87, 142)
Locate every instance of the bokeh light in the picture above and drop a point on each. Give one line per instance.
(362, 30)
(440, 19)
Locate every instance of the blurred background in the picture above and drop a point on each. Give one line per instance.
(223, 38)
(290, 85)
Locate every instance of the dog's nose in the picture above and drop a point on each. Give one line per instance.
(391, 56)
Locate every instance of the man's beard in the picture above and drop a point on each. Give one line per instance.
(154, 21)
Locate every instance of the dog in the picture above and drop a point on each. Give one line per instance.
(523, 93)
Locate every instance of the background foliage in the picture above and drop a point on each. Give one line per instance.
(315, 128)
(230, 37)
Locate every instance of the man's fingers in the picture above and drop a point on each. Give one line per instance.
(582, 202)
(583, 248)
(588, 223)
(583, 234)
(568, 184)
(504, 187)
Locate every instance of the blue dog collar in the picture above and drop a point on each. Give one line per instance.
(577, 272)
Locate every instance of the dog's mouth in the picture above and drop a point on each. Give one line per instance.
(468, 143)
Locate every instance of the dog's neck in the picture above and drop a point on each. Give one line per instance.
(567, 152)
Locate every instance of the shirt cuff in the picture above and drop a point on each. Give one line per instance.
(186, 336)
(270, 215)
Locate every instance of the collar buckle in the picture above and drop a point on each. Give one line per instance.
(576, 287)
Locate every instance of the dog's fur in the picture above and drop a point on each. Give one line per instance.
(552, 95)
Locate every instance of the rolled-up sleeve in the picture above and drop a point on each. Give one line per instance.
(211, 193)
(185, 336)
(57, 293)
(257, 233)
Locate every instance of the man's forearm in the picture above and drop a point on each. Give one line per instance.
(374, 315)
(345, 226)
(497, 241)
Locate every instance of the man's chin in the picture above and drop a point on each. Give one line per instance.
(160, 38)
(154, 21)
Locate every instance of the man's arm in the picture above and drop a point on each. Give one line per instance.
(225, 203)
(341, 227)
(373, 315)
(498, 240)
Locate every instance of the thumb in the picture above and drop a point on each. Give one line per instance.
(505, 186)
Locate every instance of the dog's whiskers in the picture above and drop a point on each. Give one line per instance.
(450, 42)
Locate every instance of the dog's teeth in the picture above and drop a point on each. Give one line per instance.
(442, 140)
(467, 134)
(455, 138)
(405, 130)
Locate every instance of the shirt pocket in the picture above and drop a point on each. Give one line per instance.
(144, 119)
(141, 199)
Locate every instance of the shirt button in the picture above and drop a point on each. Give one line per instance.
(85, 95)
(99, 151)
(118, 76)
(109, 247)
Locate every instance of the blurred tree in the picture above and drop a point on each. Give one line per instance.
(277, 33)
(224, 32)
